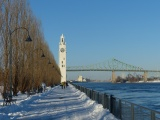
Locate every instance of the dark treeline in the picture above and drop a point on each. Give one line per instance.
(29, 69)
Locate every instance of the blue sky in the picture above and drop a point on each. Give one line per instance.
(96, 31)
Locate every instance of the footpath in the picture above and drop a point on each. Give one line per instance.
(56, 104)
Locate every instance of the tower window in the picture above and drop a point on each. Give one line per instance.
(62, 39)
(62, 65)
(62, 61)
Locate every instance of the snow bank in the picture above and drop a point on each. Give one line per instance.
(56, 103)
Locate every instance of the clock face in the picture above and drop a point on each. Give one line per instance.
(62, 49)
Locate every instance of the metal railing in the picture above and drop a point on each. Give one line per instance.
(120, 108)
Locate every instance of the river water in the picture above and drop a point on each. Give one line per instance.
(144, 94)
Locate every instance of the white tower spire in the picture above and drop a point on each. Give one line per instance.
(62, 58)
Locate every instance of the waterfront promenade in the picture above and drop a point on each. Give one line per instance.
(57, 104)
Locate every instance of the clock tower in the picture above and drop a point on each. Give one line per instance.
(62, 58)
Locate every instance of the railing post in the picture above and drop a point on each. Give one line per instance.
(108, 101)
(93, 95)
(132, 112)
(104, 100)
(90, 94)
(111, 104)
(152, 115)
(100, 98)
(120, 112)
(86, 90)
(97, 96)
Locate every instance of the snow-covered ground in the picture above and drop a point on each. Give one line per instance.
(55, 104)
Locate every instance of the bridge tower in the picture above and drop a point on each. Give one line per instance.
(62, 58)
(113, 77)
(145, 76)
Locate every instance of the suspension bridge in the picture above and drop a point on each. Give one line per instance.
(112, 65)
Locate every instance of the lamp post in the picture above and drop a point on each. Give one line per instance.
(10, 53)
(41, 50)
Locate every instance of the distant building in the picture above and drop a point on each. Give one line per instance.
(81, 79)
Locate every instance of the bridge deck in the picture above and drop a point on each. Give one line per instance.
(125, 70)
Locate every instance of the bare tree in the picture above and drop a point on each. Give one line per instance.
(29, 69)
